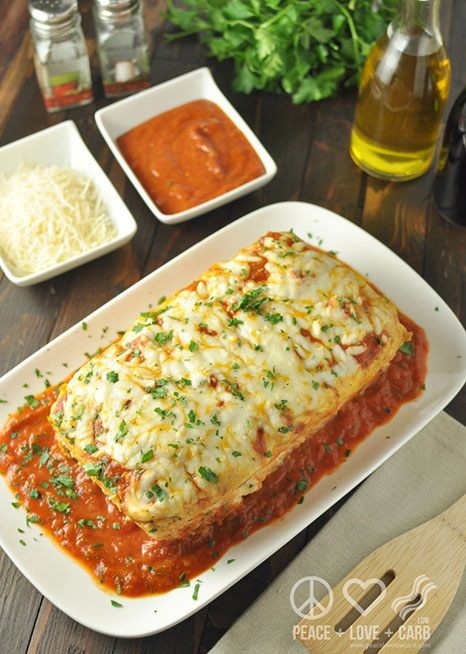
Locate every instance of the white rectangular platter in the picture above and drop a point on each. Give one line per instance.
(68, 585)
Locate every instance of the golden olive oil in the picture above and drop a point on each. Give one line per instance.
(402, 96)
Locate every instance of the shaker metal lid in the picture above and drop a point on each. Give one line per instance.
(52, 12)
(115, 8)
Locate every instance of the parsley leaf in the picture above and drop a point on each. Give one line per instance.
(307, 49)
(208, 474)
(407, 348)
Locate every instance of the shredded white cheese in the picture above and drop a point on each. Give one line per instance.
(49, 215)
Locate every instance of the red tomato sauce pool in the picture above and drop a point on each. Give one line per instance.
(189, 155)
(65, 503)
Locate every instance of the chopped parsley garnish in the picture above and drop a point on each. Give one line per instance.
(92, 469)
(301, 485)
(122, 431)
(236, 453)
(163, 413)
(231, 322)
(112, 377)
(196, 591)
(315, 385)
(250, 301)
(274, 318)
(268, 454)
(285, 430)
(326, 447)
(159, 392)
(208, 474)
(61, 507)
(90, 449)
(117, 604)
(161, 338)
(147, 456)
(87, 523)
(192, 346)
(161, 494)
(34, 493)
(407, 348)
(32, 401)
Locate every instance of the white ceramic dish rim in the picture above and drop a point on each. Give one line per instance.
(123, 235)
(446, 337)
(203, 75)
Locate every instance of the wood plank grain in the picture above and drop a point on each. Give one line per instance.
(54, 632)
(395, 213)
(331, 179)
(20, 69)
(184, 637)
(20, 603)
(27, 316)
(13, 25)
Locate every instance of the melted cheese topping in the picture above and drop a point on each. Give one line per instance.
(49, 215)
(201, 398)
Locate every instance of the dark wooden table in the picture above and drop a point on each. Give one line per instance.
(310, 146)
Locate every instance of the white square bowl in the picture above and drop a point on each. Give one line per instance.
(62, 145)
(118, 118)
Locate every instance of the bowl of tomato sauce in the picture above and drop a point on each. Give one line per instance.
(184, 147)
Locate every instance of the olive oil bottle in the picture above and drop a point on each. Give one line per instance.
(402, 96)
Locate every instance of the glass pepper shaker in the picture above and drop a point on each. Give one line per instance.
(122, 46)
(60, 54)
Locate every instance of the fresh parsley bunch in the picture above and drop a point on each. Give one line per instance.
(307, 48)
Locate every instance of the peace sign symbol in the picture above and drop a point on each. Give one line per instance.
(311, 608)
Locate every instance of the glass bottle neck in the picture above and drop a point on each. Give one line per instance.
(419, 15)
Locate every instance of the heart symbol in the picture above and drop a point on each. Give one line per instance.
(364, 585)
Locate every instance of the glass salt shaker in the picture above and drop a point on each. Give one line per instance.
(122, 46)
(60, 54)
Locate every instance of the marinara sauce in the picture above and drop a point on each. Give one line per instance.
(189, 155)
(65, 503)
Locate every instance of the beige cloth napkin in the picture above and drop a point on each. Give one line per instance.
(422, 479)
